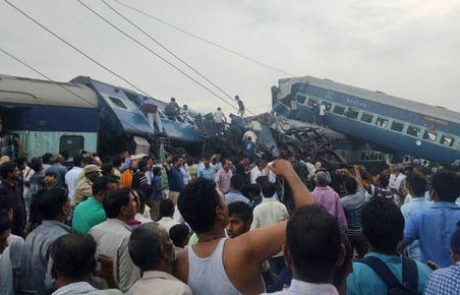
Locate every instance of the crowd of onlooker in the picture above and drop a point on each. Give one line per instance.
(180, 225)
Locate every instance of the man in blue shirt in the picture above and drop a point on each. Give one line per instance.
(235, 195)
(156, 197)
(383, 226)
(206, 170)
(435, 225)
(416, 185)
(35, 276)
(446, 281)
(176, 179)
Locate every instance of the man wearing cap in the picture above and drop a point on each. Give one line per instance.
(84, 187)
(446, 281)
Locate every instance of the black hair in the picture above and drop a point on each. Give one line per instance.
(268, 189)
(117, 161)
(176, 158)
(51, 202)
(446, 185)
(65, 155)
(261, 180)
(115, 200)
(350, 185)
(77, 160)
(252, 189)
(178, 234)
(313, 239)
(237, 182)
(198, 202)
(383, 224)
(384, 180)
(240, 209)
(5, 222)
(50, 173)
(156, 170)
(74, 255)
(36, 164)
(342, 270)
(166, 207)
(21, 162)
(145, 245)
(100, 184)
(46, 158)
(7, 168)
(107, 169)
(417, 183)
(142, 164)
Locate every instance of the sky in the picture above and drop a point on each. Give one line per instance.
(406, 48)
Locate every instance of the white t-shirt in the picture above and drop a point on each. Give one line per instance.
(10, 259)
(322, 110)
(219, 117)
(71, 179)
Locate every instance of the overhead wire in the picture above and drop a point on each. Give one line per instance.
(43, 75)
(169, 51)
(75, 48)
(56, 83)
(222, 47)
(156, 54)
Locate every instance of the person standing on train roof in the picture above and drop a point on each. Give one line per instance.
(172, 109)
(241, 108)
(220, 120)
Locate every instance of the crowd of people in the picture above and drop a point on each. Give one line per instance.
(136, 224)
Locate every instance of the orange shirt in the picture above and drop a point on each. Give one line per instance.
(127, 179)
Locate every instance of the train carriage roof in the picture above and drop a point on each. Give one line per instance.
(21, 90)
(379, 97)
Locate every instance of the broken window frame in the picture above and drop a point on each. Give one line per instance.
(367, 116)
(397, 126)
(427, 133)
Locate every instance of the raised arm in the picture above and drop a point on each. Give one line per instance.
(263, 243)
(301, 194)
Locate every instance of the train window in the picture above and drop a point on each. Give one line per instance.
(397, 126)
(352, 113)
(367, 118)
(312, 102)
(339, 110)
(414, 131)
(430, 135)
(327, 104)
(382, 122)
(300, 99)
(73, 144)
(447, 140)
(117, 102)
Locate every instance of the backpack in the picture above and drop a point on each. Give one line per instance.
(409, 285)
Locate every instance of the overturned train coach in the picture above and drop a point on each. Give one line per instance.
(392, 124)
(85, 114)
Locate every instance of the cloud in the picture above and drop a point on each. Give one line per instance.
(401, 47)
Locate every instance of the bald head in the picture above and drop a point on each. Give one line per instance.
(321, 178)
(147, 246)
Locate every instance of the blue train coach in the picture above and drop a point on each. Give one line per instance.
(49, 116)
(395, 124)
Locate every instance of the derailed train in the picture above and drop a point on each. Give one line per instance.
(392, 124)
(85, 114)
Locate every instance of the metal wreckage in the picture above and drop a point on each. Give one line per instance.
(274, 136)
